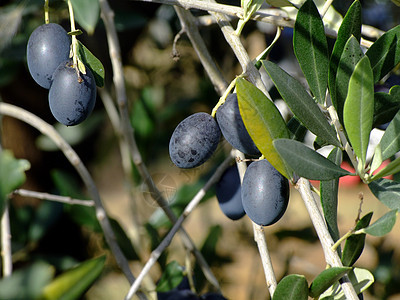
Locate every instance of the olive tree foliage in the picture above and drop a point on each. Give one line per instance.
(342, 63)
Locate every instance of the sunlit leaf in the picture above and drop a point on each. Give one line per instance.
(351, 55)
(392, 168)
(355, 243)
(171, 277)
(86, 13)
(359, 108)
(73, 283)
(301, 103)
(311, 48)
(12, 175)
(389, 144)
(351, 26)
(291, 287)
(383, 225)
(92, 62)
(387, 191)
(263, 121)
(325, 279)
(279, 3)
(329, 196)
(384, 53)
(306, 162)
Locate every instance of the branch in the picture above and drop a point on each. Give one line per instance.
(155, 255)
(74, 159)
(6, 251)
(127, 130)
(331, 256)
(51, 197)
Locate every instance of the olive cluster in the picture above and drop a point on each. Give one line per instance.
(72, 94)
(264, 193)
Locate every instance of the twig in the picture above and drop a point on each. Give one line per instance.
(51, 197)
(168, 238)
(325, 8)
(6, 250)
(331, 256)
(259, 235)
(127, 130)
(73, 158)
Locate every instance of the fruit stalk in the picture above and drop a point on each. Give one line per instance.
(331, 256)
(46, 12)
(74, 39)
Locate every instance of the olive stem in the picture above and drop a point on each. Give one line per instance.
(223, 97)
(74, 40)
(259, 235)
(156, 253)
(46, 12)
(101, 215)
(51, 197)
(115, 54)
(331, 257)
(325, 8)
(6, 250)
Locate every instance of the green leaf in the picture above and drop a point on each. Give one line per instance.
(73, 283)
(355, 243)
(329, 196)
(390, 141)
(391, 168)
(359, 108)
(301, 103)
(26, 283)
(306, 162)
(123, 240)
(325, 279)
(171, 277)
(297, 130)
(86, 13)
(383, 225)
(361, 279)
(384, 53)
(351, 25)
(387, 191)
(12, 175)
(291, 287)
(92, 62)
(351, 55)
(263, 121)
(386, 105)
(311, 49)
(279, 3)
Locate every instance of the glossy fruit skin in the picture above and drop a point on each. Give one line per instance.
(177, 295)
(71, 101)
(229, 194)
(48, 46)
(231, 123)
(194, 140)
(265, 193)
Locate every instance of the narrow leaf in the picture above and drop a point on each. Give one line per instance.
(329, 196)
(279, 3)
(263, 121)
(291, 287)
(87, 13)
(301, 103)
(311, 48)
(93, 63)
(391, 168)
(325, 279)
(171, 277)
(297, 130)
(386, 105)
(383, 225)
(384, 53)
(74, 282)
(387, 191)
(306, 162)
(359, 108)
(12, 175)
(351, 55)
(390, 141)
(355, 243)
(351, 25)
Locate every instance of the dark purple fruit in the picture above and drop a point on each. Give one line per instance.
(194, 140)
(231, 123)
(48, 46)
(177, 295)
(229, 194)
(71, 99)
(265, 193)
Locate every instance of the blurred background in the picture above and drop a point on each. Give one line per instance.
(162, 91)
